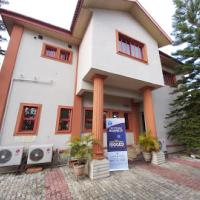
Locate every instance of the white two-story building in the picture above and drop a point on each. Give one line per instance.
(55, 83)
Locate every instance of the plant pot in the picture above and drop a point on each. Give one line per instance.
(72, 162)
(147, 156)
(79, 170)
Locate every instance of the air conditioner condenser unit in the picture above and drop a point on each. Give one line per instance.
(40, 154)
(10, 155)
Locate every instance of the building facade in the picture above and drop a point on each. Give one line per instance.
(56, 83)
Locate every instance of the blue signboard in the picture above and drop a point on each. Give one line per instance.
(116, 144)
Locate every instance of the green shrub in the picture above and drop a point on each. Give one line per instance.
(148, 143)
(81, 148)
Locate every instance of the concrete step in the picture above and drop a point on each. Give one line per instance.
(158, 158)
(99, 169)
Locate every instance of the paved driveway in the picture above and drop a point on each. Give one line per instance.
(178, 179)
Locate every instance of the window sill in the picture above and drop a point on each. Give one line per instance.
(25, 133)
(56, 59)
(63, 132)
(132, 57)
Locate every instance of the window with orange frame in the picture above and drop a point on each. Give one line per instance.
(169, 78)
(107, 113)
(28, 119)
(131, 48)
(64, 120)
(57, 53)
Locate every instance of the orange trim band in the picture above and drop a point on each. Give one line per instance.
(8, 67)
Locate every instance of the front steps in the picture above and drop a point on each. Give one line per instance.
(99, 169)
(158, 158)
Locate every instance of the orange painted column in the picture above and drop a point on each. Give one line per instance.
(8, 67)
(97, 120)
(77, 116)
(149, 111)
(135, 121)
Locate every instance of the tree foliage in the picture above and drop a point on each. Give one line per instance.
(185, 115)
(2, 27)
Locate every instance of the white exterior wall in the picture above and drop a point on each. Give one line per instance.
(55, 87)
(114, 103)
(161, 100)
(102, 46)
(85, 58)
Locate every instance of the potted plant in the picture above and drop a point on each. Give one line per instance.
(81, 151)
(148, 143)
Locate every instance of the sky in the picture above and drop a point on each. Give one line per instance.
(60, 12)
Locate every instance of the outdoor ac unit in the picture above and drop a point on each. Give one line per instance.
(10, 155)
(162, 143)
(40, 154)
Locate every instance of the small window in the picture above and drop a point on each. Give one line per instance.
(131, 47)
(57, 53)
(64, 118)
(106, 114)
(28, 119)
(88, 119)
(169, 79)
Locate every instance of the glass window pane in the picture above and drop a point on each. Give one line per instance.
(64, 55)
(130, 46)
(27, 125)
(139, 53)
(120, 46)
(127, 48)
(28, 118)
(88, 119)
(64, 119)
(124, 46)
(50, 52)
(63, 125)
(132, 50)
(64, 113)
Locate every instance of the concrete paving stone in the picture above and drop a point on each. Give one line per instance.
(141, 182)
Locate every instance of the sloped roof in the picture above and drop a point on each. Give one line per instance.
(81, 19)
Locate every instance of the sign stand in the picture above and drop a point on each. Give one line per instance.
(116, 144)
